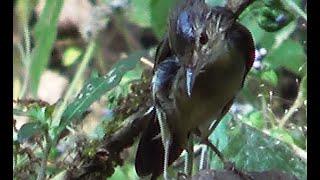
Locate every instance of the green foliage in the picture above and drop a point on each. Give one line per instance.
(140, 12)
(252, 150)
(71, 55)
(242, 141)
(273, 19)
(255, 119)
(270, 76)
(39, 119)
(125, 172)
(282, 134)
(289, 54)
(45, 32)
(216, 2)
(159, 15)
(304, 86)
(28, 130)
(96, 87)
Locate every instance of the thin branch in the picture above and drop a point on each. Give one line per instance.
(147, 62)
(108, 156)
(302, 154)
(294, 8)
(296, 105)
(238, 6)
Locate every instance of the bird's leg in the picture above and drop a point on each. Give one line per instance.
(203, 158)
(189, 157)
(227, 164)
(166, 140)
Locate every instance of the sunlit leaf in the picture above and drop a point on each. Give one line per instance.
(139, 13)
(270, 76)
(96, 87)
(28, 130)
(252, 150)
(282, 134)
(289, 54)
(255, 119)
(70, 56)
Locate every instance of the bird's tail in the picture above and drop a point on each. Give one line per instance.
(150, 153)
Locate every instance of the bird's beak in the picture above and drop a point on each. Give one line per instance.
(190, 77)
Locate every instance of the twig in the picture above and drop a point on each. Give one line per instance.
(147, 62)
(296, 150)
(293, 7)
(296, 105)
(238, 6)
(108, 156)
(267, 112)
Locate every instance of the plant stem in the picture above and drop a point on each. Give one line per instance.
(26, 60)
(296, 105)
(70, 92)
(43, 166)
(293, 7)
(302, 154)
(60, 109)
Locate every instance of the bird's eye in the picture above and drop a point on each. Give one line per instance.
(203, 38)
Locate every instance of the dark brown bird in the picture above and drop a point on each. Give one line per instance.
(200, 66)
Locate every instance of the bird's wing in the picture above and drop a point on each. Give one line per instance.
(163, 52)
(150, 153)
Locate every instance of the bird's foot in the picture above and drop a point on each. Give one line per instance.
(231, 167)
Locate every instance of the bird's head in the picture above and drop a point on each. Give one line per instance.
(196, 34)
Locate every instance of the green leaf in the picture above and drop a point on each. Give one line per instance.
(216, 2)
(45, 32)
(270, 76)
(298, 137)
(54, 153)
(289, 55)
(28, 130)
(260, 36)
(304, 86)
(139, 13)
(255, 119)
(219, 137)
(36, 112)
(19, 112)
(282, 134)
(160, 10)
(96, 87)
(252, 150)
(71, 55)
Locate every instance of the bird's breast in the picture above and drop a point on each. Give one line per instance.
(213, 89)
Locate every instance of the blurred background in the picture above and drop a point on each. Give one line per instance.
(89, 63)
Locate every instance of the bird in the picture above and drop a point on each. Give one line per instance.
(200, 67)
